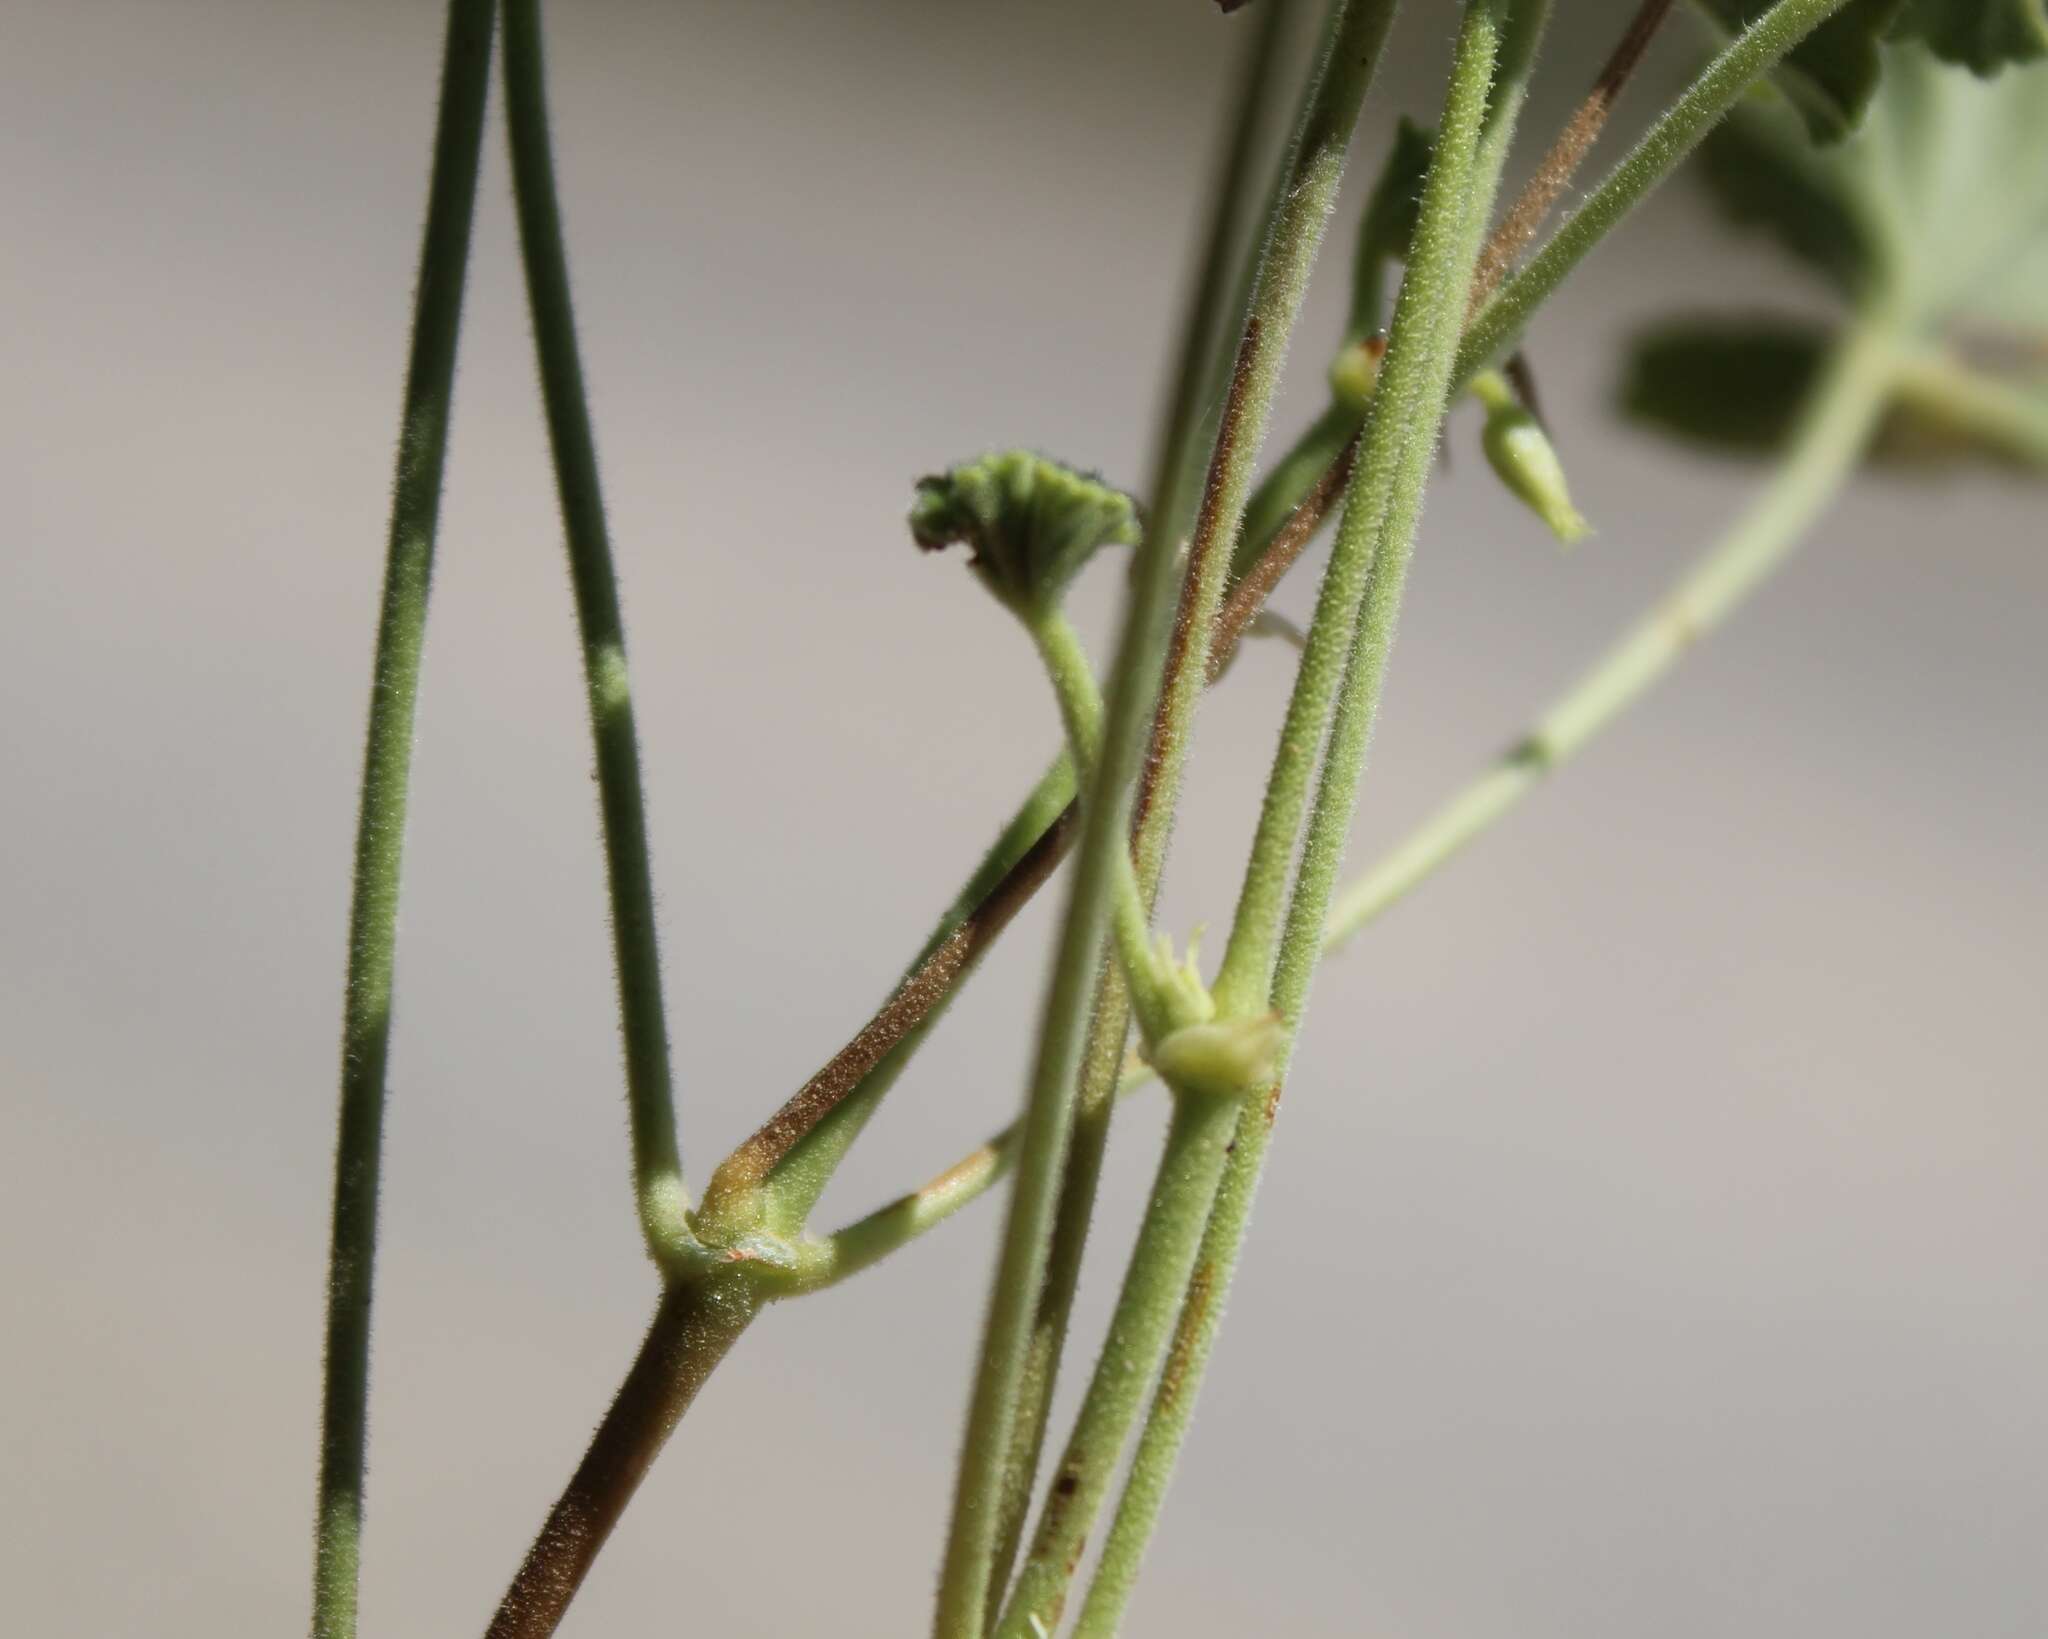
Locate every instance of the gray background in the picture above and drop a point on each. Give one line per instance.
(1655, 1241)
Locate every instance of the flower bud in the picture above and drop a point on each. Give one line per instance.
(1355, 372)
(1031, 523)
(1520, 451)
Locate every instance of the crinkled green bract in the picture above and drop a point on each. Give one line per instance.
(1031, 522)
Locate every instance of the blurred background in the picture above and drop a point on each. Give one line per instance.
(1657, 1237)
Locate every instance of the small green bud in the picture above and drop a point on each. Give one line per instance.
(1355, 372)
(1031, 522)
(1179, 984)
(1224, 1058)
(1520, 451)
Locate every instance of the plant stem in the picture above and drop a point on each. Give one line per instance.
(659, 1191)
(1381, 513)
(1745, 60)
(1403, 400)
(1080, 702)
(380, 820)
(1303, 194)
(1208, 300)
(1832, 434)
(695, 1324)
(794, 1154)
(1561, 162)
(1822, 457)
(1153, 1284)
(2011, 420)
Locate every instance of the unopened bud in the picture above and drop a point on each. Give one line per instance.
(1355, 373)
(1520, 451)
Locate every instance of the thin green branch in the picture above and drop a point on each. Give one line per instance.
(659, 1192)
(1490, 70)
(1833, 432)
(2008, 420)
(1402, 401)
(1833, 435)
(794, 1154)
(1302, 196)
(1745, 60)
(1822, 457)
(1150, 1298)
(380, 821)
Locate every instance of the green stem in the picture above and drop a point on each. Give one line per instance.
(695, 1325)
(1208, 301)
(1073, 684)
(794, 1155)
(659, 1191)
(1132, 1352)
(1831, 436)
(1405, 399)
(1377, 534)
(380, 821)
(1744, 61)
(2011, 420)
(1822, 457)
(1834, 432)
(1049, 1104)
(1302, 196)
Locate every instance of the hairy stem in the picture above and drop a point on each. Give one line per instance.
(1404, 400)
(792, 1156)
(694, 1326)
(1561, 163)
(657, 1166)
(1833, 434)
(1147, 1304)
(1745, 60)
(1381, 513)
(380, 820)
(1302, 197)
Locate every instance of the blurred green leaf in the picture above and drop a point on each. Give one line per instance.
(1726, 384)
(1985, 35)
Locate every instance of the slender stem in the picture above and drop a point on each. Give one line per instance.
(1833, 433)
(1822, 457)
(1745, 60)
(1208, 300)
(1402, 401)
(1831, 437)
(1312, 173)
(1382, 510)
(380, 820)
(2013, 421)
(1561, 162)
(1256, 585)
(1293, 479)
(694, 1326)
(657, 1166)
(1080, 702)
(1146, 1307)
(793, 1156)
(1049, 1105)
(1303, 194)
